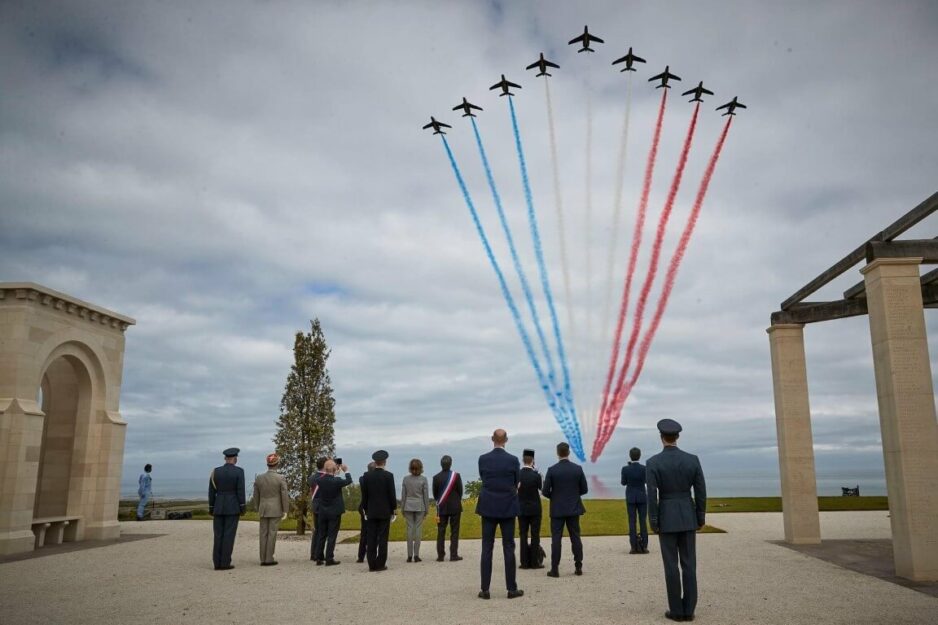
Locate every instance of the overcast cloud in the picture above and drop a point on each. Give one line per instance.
(223, 172)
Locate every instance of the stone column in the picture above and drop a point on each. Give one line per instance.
(795, 443)
(906, 413)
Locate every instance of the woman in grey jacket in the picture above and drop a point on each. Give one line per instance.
(415, 503)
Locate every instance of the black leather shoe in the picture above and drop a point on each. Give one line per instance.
(381, 568)
(320, 562)
(440, 558)
(633, 551)
(673, 617)
(271, 563)
(360, 560)
(410, 558)
(523, 566)
(455, 558)
(225, 568)
(484, 594)
(578, 570)
(553, 573)
(514, 594)
(538, 566)
(688, 617)
(417, 559)
(332, 562)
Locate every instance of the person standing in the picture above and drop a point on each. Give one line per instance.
(447, 492)
(226, 505)
(415, 503)
(379, 500)
(144, 490)
(498, 507)
(331, 505)
(636, 501)
(565, 484)
(676, 516)
(529, 519)
(272, 502)
(316, 542)
(362, 533)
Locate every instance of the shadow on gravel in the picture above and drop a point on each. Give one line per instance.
(53, 550)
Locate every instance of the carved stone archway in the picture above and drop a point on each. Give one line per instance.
(61, 432)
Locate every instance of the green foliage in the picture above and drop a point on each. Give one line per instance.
(353, 497)
(472, 489)
(306, 426)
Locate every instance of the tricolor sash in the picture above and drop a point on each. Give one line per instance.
(446, 491)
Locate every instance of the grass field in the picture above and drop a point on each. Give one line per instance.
(604, 517)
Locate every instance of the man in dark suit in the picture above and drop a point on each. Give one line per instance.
(529, 519)
(636, 501)
(565, 485)
(226, 504)
(316, 543)
(379, 500)
(331, 505)
(676, 516)
(363, 524)
(447, 492)
(498, 507)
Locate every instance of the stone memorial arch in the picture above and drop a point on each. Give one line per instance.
(61, 432)
(894, 295)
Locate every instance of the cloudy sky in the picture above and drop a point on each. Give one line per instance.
(223, 172)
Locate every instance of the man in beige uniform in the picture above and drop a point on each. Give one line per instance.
(272, 502)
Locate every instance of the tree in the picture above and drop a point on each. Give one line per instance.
(306, 426)
(473, 488)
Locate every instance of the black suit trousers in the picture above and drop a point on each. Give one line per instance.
(330, 532)
(362, 535)
(530, 523)
(453, 521)
(377, 543)
(639, 510)
(507, 526)
(317, 544)
(572, 524)
(680, 548)
(225, 527)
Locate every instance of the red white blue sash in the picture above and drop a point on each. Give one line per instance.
(446, 491)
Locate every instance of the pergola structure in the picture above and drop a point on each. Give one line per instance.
(894, 295)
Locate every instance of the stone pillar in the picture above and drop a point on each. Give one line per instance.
(906, 413)
(795, 443)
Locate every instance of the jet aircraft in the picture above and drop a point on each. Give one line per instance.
(436, 126)
(629, 60)
(731, 107)
(698, 91)
(542, 64)
(585, 39)
(467, 106)
(664, 77)
(504, 84)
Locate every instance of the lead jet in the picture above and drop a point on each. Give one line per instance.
(629, 60)
(731, 107)
(436, 126)
(467, 106)
(585, 39)
(504, 84)
(664, 77)
(542, 64)
(698, 91)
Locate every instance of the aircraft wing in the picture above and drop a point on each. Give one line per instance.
(638, 58)
(511, 84)
(443, 125)
(533, 65)
(725, 106)
(597, 39)
(742, 106)
(688, 92)
(580, 38)
(473, 106)
(673, 76)
(495, 86)
(707, 91)
(623, 59)
(549, 64)
(658, 77)
(430, 125)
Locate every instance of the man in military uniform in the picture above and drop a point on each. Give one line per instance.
(529, 501)
(226, 505)
(636, 501)
(676, 516)
(272, 502)
(363, 534)
(379, 500)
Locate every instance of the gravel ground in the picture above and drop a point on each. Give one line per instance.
(169, 579)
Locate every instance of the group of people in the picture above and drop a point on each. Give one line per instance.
(670, 490)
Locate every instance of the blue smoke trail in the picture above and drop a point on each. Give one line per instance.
(525, 286)
(516, 316)
(545, 283)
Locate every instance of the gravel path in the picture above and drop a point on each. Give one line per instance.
(169, 579)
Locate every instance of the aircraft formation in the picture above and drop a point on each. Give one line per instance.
(585, 40)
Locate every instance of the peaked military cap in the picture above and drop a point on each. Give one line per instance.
(528, 453)
(379, 455)
(231, 451)
(669, 426)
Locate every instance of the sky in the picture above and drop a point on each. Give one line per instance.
(223, 172)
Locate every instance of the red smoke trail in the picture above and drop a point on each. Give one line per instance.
(633, 259)
(639, 316)
(671, 276)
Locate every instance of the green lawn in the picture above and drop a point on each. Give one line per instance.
(774, 504)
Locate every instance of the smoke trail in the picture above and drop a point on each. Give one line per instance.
(525, 339)
(673, 267)
(522, 277)
(653, 264)
(633, 259)
(545, 282)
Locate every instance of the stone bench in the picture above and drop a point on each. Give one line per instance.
(55, 530)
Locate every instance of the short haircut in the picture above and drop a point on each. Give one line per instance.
(635, 453)
(670, 438)
(371, 466)
(416, 467)
(528, 459)
(148, 468)
(500, 437)
(563, 450)
(320, 463)
(446, 462)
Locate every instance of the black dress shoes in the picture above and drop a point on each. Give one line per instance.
(633, 551)
(417, 559)
(688, 617)
(440, 558)
(484, 594)
(673, 617)
(553, 573)
(514, 594)
(455, 558)
(320, 562)
(225, 568)
(523, 566)
(360, 560)
(578, 570)
(271, 563)
(332, 562)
